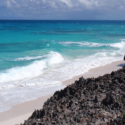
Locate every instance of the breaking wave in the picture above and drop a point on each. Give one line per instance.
(33, 70)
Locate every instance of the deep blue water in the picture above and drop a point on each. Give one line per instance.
(36, 56)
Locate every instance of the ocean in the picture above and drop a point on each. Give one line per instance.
(36, 56)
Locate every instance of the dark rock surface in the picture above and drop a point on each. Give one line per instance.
(92, 101)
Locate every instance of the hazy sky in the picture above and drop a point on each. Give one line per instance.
(63, 9)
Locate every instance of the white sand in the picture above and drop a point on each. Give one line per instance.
(21, 112)
(18, 113)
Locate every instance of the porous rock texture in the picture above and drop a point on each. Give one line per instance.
(92, 101)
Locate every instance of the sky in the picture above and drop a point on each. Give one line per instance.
(62, 9)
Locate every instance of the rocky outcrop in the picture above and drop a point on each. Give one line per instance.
(92, 101)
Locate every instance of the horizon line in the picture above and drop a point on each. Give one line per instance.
(57, 20)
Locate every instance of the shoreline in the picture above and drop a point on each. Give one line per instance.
(20, 112)
(98, 71)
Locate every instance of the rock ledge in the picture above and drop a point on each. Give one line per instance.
(92, 101)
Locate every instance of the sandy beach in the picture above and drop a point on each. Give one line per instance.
(18, 113)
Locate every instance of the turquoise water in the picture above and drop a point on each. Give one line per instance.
(36, 56)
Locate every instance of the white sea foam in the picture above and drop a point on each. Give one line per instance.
(82, 44)
(46, 73)
(33, 70)
(54, 58)
(90, 44)
(45, 76)
(28, 58)
(13, 96)
(119, 45)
